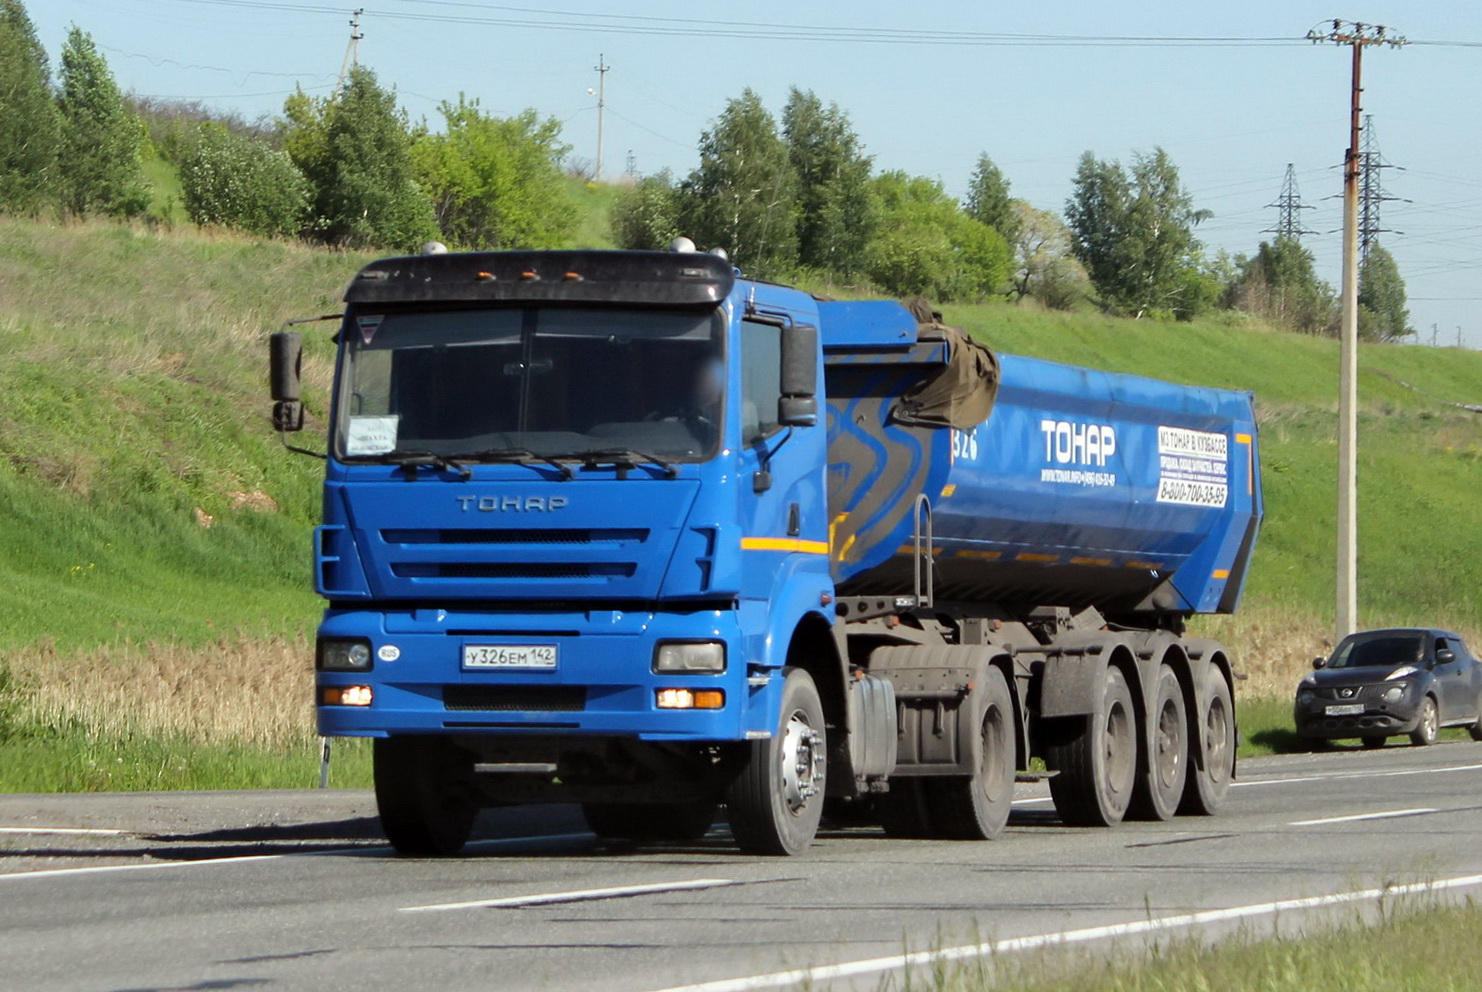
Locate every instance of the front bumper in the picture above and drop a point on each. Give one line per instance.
(1380, 718)
(602, 685)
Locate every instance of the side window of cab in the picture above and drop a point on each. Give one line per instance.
(761, 386)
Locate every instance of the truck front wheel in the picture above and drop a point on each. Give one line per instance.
(424, 792)
(774, 804)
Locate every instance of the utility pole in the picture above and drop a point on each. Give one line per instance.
(602, 69)
(352, 50)
(1290, 207)
(1357, 37)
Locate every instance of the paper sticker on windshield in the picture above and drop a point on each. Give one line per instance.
(369, 325)
(371, 435)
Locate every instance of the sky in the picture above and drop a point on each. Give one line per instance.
(928, 86)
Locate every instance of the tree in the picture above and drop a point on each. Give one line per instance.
(1381, 292)
(1135, 233)
(988, 199)
(30, 127)
(928, 246)
(646, 214)
(1280, 284)
(237, 181)
(836, 214)
(355, 150)
(494, 182)
(743, 195)
(101, 138)
(1044, 266)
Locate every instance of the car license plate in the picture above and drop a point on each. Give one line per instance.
(1345, 709)
(509, 656)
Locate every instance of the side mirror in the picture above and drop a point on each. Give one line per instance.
(1319, 662)
(1445, 656)
(798, 404)
(285, 358)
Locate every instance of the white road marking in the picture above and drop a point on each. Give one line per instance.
(85, 831)
(1354, 818)
(243, 859)
(578, 895)
(1350, 775)
(1026, 802)
(850, 969)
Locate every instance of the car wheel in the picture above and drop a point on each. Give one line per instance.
(1372, 742)
(1429, 726)
(1476, 729)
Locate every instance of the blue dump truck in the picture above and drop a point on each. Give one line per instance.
(629, 530)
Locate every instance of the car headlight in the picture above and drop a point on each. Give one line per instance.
(343, 656)
(1305, 696)
(1396, 692)
(690, 656)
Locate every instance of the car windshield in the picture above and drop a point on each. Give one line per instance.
(531, 382)
(1379, 650)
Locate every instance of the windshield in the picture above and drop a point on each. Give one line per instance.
(543, 382)
(1380, 650)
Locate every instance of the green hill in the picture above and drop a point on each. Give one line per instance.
(157, 548)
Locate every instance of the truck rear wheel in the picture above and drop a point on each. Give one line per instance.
(775, 803)
(1164, 772)
(1209, 781)
(1097, 759)
(977, 807)
(650, 821)
(425, 795)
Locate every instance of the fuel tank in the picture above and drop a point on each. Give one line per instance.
(1029, 483)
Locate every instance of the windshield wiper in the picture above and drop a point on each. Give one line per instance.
(410, 461)
(519, 456)
(624, 459)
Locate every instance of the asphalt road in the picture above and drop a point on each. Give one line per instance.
(279, 890)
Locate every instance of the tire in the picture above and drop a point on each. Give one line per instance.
(1097, 760)
(1374, 742)
(1475, 729)
(1208, 783)
(775, 803)
(650, 821)
(1164, 770)
(425, 795)
(977, 807)
(1429, 727)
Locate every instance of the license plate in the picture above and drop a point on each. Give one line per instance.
(1345, 709)
(509, 656)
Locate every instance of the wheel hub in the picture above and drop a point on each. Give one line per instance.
(802, 762)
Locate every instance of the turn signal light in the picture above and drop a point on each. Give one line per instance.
(345, 695)
(691, 699)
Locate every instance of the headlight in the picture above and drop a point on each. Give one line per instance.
(678, 656)
(1396, 692)
(343, 656)
(1305, 696)
(1401, 672)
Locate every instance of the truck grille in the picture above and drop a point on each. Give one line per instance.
(509, 699)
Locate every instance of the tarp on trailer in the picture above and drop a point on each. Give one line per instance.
(961, 395)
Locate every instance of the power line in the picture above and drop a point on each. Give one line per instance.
(352, 50)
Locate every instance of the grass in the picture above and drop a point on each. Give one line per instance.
(156, 555)
(1412, 948)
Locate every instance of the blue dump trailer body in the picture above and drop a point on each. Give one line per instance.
(629, 530)
(1082, 487)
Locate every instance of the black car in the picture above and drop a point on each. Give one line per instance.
(1382, 683)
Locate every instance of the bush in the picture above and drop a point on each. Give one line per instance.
(238, 182)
